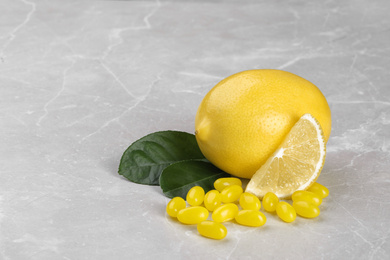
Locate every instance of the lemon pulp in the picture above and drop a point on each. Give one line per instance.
(295, 165)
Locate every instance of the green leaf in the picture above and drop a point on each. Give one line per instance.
(145, 159)
(177, 179)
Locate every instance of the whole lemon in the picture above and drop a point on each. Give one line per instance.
(244, 118)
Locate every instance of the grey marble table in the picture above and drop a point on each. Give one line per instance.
(81, 80)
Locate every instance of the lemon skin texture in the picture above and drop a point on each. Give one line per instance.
(245, 117)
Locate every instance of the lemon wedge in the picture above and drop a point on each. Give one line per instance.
(295, 165)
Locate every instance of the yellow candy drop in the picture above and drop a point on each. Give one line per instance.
(270, 201)
(212, 229)
(319, 189)
(195, 196)
(193, 215)
(175, 205)
(222, 183)
(307, 196)
(251, 218)
(249, 201)
(231, 193)
(286, 212)
(306, 209)
(212, 200)
(225, 212)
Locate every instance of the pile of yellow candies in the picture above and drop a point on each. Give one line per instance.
(222, 202)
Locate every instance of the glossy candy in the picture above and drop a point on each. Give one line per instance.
(251, 218)
(222, 183)
(193, 215)
(231, 193)
(286, 212)
(249, 201)
(319, 189)
(306, 209)
(270, 201)
(175, 205)
(212, 200)
(195, 196)
(308, 196)
(212, 229)
(225, 212)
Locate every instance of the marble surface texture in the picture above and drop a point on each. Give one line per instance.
(81, 80)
